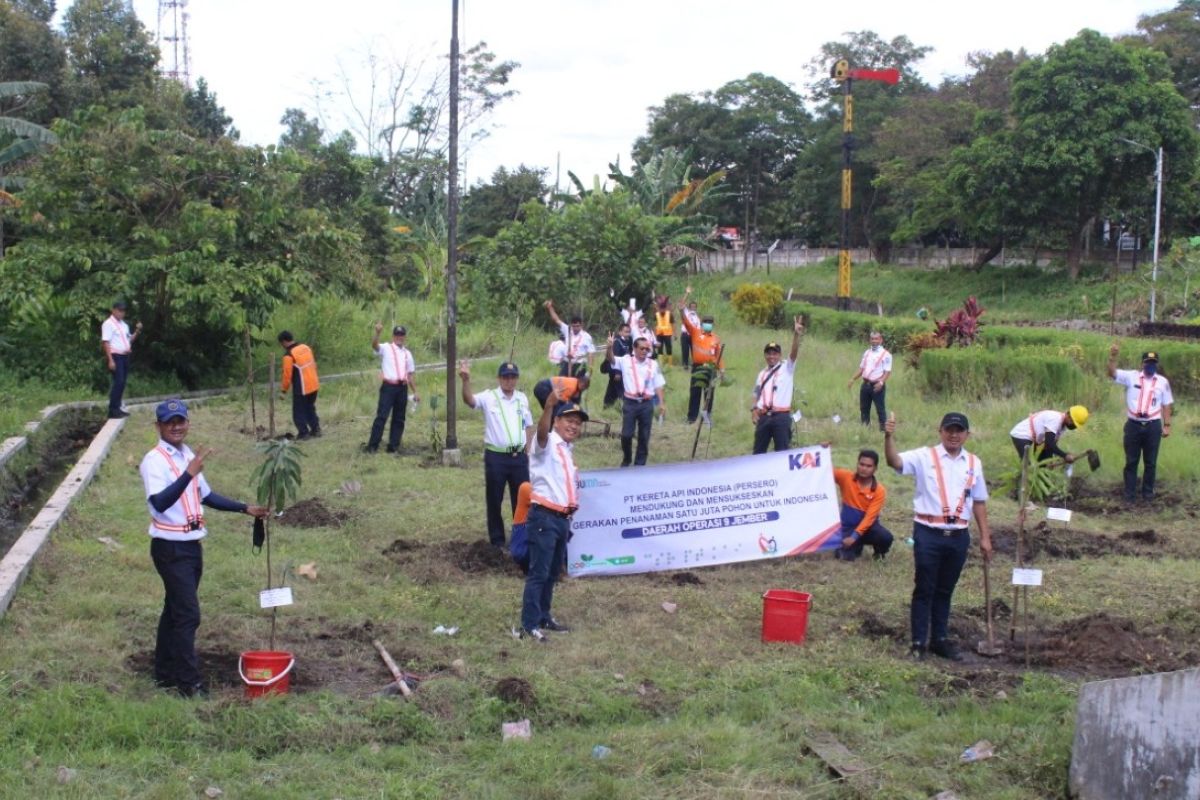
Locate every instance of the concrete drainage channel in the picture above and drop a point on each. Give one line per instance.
(16, 563)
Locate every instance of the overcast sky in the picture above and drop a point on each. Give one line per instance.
(589, 68)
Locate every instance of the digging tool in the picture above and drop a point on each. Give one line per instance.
(1093, 461)
(989, 647)
(395, 670)
(1023, 501)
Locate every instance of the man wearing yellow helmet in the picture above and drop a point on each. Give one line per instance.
(1044, 429)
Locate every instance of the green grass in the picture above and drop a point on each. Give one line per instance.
(692, 703)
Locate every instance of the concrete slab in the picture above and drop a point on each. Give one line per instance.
(1138, 737)
(16, 563)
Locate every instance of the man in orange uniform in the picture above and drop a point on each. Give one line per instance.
(664, 327)
(300, 375)
(570, 389)
(708, 364)
(862, 501)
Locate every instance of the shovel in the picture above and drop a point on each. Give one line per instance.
(1093, 461)
(988, 647)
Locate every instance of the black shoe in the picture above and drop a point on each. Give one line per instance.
(315, 434)
(917, 652)
(366, 448)
(302, 437)
(946, 649)
(880, 556)
(199, 691)
(554, 626)
(391, 449)
(118, 415)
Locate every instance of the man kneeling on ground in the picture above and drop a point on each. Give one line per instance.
(862, 501)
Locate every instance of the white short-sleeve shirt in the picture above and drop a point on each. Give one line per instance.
(579, 345)
(395, 362)
(958, 472)
(505, 418)
(557, 352)
(552, 473)
(641, 379)
(161, 467)
(1037, 425)
(116, 333)
(875, 364)
(775, 393)
(1144, 397)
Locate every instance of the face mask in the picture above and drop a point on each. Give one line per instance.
(706, 327)
(875, 347)
(1150, 368)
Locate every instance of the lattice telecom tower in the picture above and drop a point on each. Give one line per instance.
(176, 62)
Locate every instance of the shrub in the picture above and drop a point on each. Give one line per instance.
(759, 304)
(973, 373)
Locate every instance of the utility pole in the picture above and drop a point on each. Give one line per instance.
(451, 455)
(842, 73)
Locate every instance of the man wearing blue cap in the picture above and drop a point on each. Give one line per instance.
(507, 430)
(175, 493)
(554, 500)
(949, 491)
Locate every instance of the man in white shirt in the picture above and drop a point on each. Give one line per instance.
(176, 493)
(874, 368)
(1148, 407)
(555, 499)
(117, 343)
(643, 381)
(1044, 429)
(507, 431)
(580, 347)
(949, 491)
(772, 409)
(397, 372)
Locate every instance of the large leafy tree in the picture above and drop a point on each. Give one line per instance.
(30, 50)
(111, 56)
(488, 207)
(581, 256)
(203, 238)
(1176, 33)
(19, 139)
(751, 130)
(1059, 163)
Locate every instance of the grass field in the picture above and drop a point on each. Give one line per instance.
(692, 704)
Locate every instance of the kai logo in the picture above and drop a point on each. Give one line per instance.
(767, 546)
(803, 460)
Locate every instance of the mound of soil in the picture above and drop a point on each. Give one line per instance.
(401, 550)
(313, 513)
(1109, 499)
(686, 579)
(975, 682)
(478, 556)
(1045, 541)
(516, 690)
(1106, 645)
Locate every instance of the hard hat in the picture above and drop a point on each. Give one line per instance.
(1078, 415)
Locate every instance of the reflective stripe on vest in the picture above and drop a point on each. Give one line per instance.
(941, 482)
(191, 510)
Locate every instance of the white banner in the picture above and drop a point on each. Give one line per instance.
(681, 516)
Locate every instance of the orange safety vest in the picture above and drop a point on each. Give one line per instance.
(705, 346)
(300, 356)
(568, 388)
(663, 323)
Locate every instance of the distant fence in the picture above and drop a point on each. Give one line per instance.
(792, 256)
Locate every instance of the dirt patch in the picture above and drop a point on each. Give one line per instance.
(401, 550)
(313, 513)
(654, 701)
(1044, 541)
(686, 579)
(874, 627)
(478, 557)
(1100, 644)
(1109, 500)
(517, 691)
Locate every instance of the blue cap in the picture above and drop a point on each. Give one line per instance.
(570, 408)
(168, 409)
(509, 369)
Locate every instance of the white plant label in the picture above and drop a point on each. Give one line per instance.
(1027, 577)
(272, 598)
(799, 415)
(1059, 514)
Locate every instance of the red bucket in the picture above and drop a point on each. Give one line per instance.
(266, 672)
(785, 615)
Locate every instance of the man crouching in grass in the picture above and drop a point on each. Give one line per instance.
(555, 499)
